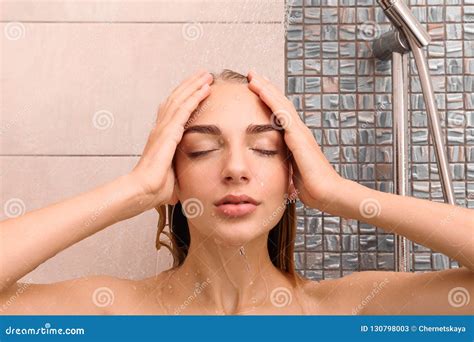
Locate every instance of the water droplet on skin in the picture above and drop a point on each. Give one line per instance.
(254, 300)
(242, 252)
(187, 273)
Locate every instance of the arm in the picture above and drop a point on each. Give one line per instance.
(442, 227)
(29, 240)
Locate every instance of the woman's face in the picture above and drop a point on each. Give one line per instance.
(236, 163)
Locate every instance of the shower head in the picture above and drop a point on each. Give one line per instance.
(400, 15)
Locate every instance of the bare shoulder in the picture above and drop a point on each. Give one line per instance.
(408, 293)
(86, 295)
(338, 296)
(137, 297)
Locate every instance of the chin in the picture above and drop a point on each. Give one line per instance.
(236, 234)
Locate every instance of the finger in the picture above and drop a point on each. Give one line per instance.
(193, 77)
(283, 112)
(185, 89)
(184, 111)
(262, 82)
(179, 97)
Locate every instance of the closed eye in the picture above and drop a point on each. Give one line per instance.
(266, 153)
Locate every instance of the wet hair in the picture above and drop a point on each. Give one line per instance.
(281, 238)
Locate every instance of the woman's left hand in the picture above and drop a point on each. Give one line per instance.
(314, 177)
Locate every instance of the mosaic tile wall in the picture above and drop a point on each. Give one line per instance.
(344, 95)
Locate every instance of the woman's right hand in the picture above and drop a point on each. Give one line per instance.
(154, 171)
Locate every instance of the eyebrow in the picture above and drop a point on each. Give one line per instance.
(214, 130)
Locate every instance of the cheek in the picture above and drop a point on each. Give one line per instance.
(272, 178)
(196, 181)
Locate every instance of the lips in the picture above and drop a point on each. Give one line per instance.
(236, 199)
(236, 205)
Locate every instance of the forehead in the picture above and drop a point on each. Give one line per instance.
(231, 105)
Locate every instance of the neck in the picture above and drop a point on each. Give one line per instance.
(232, 279)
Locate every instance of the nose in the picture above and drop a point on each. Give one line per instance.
(236, 169)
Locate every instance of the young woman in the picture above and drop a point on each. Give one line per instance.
(224, 163)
